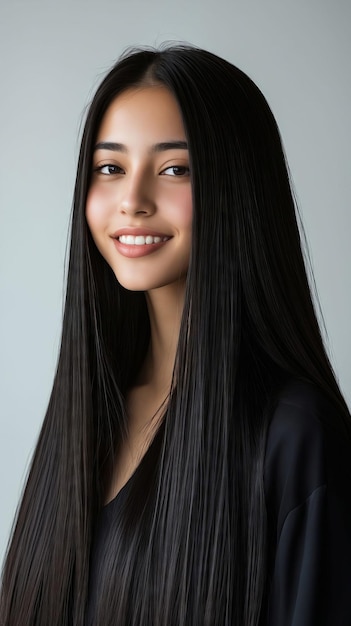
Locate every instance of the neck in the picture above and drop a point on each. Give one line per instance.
(165, 306)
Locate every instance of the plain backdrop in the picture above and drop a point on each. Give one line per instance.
(53, 54)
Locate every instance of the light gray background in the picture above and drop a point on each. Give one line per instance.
(53, 54)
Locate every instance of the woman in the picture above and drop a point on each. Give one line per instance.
(193, 466)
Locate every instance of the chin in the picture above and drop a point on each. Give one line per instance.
(143, 283)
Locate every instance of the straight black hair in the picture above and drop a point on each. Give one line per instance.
(190, 547)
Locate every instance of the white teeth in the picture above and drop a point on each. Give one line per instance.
(140, 240)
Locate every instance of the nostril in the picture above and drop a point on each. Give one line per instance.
(137, 208)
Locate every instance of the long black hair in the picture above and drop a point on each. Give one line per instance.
(190, 545)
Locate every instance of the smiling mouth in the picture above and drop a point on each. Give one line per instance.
(140, 240)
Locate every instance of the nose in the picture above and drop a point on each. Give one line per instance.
(137, 196)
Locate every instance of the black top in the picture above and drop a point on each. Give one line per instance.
(307, 481)
(308, 487)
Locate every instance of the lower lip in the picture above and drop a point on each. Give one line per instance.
(133, 251)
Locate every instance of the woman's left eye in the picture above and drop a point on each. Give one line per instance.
(176, 170)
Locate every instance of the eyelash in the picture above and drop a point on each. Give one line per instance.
(108, 165)
(186, 170)
(118, 170)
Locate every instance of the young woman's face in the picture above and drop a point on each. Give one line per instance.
(139, 205)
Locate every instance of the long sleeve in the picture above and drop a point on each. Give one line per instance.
(308, 494)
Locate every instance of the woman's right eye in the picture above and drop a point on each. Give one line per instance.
(108, 169)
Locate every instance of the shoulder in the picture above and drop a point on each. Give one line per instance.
(305, 450)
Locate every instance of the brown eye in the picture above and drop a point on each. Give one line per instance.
(109, 169)
(176, 170)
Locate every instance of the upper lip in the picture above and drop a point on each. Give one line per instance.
(138, 231)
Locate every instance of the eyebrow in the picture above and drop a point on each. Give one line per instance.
(157, 147)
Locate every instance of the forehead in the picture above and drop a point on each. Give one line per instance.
(142, 113)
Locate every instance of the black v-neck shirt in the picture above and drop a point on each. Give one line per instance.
(307, 480)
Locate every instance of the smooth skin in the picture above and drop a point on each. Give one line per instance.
(141, 186)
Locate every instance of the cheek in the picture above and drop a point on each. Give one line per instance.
(188, 208)
(95, 212)
(182, 209)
